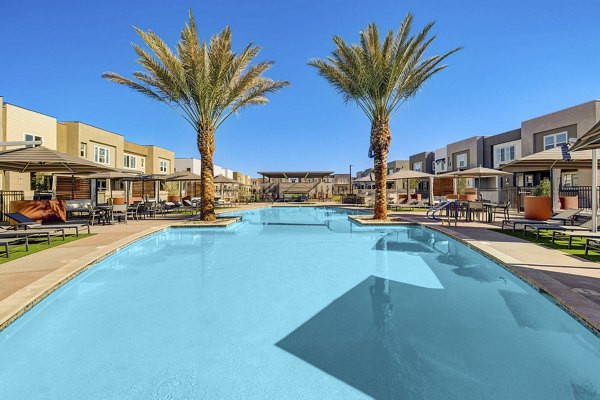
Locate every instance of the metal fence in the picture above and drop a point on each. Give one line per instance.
(6, 196)
(584, 194)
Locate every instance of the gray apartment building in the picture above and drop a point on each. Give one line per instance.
(534, 135)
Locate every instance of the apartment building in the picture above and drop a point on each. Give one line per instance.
(534, 135)
(81, 140)
(341, 184)
(193, 165)
(243, 189)
(19, 124)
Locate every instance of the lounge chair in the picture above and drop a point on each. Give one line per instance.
(587, 226)
(6, 241)
(27, 223)
(584, 234)
(7, 233)
(564, 217)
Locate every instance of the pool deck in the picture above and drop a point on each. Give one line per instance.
(572, 281)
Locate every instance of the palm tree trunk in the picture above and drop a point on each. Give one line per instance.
(206, 146)
(380, 143)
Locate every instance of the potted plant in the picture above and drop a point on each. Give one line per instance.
(538, 206)
(172, 189)
(462, 191)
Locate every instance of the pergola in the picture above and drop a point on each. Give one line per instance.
(296, 174)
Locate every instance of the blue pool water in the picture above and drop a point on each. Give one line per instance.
(298, 303)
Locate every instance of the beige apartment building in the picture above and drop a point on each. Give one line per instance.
(85, 141)
(20, 124)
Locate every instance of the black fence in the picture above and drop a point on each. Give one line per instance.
(583, 193)
(6, 196)
(516, 195)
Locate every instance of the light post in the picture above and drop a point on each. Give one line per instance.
(351, 165)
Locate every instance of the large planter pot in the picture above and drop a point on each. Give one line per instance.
(569, 202)
(538, 208)
(451, 197)
(172, 198)
(117, 201)
(415, 196)
(467, 197)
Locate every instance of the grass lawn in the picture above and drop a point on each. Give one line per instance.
(38, 244)
(577, 248)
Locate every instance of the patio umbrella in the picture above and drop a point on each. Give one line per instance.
(408, 174)
(43, 159)
(591, 142)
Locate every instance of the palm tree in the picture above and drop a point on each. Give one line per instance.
(379, 76)
(205, 83)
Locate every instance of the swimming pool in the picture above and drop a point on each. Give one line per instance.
(298, 303)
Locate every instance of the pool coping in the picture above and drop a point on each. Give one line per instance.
(582, 309)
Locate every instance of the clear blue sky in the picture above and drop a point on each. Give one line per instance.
(521, 59)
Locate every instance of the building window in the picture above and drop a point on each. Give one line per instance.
(555, 140)
(83, 150)
(461, 161)
(505, 154)
(570, 179)
(418, 166)
(142, 162)
(101, 155)
(164, 166)
(101, 185)
(129, 161)
(30, 138)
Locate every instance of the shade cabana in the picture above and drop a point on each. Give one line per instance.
(590, 142)
(156, 178)
(45, 160)
(476, 173)
(405, 174)
(222, 180)
(560, 157)
(116, 175)
(185, 177)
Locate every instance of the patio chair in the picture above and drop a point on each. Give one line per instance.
(119, 211)
(8, 233)
(475, 208)
(27, 223)
(94, 215)
(150, 209)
